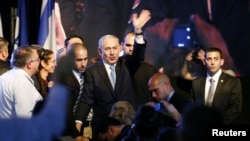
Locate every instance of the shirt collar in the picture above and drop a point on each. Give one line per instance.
(170, 95)
(77, 74)
(25, 73)
(216, 76)
(106, 65)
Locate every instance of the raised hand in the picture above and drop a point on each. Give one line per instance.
(139, 20)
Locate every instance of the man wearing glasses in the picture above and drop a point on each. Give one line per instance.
(18, 94)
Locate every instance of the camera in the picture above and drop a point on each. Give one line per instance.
(158, 107)
(197, 48)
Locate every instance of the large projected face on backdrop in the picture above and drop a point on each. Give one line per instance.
(223, 28)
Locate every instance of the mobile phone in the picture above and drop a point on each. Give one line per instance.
(157, 106)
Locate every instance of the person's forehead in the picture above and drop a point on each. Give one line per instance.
(213, 53)
(130, 37)
(81, 53)
(75, 40)
(110, 42)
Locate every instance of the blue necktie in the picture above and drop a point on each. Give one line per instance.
(112, 75)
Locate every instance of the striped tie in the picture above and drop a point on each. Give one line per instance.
(79, 95)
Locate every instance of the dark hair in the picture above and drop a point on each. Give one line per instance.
(214, 49)
(127, 33)
(66, 41)
(105, 123)
(61, 72)
(197, 120)
(44, 55)
(147, 122)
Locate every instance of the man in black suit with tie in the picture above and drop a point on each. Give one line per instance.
(98, 91)
(77, 55)
(223, 92)
(161, 90)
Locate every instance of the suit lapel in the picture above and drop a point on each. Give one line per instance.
(219, 87)
(104, 76)
(118, 69)
(202, 85)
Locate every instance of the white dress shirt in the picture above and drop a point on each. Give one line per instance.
(77, 76)
(46, 125)
(216, 79)
(18, 94)
(107, 67)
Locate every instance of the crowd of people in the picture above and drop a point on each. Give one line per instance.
(119, 97)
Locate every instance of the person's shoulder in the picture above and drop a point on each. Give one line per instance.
(148, 65)
(123, 58)
(225, 75)
(12, 73)
(196, 79)
(95, 67)
(229, 78)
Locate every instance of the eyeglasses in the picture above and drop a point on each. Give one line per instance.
(52, 61)
(34, 60)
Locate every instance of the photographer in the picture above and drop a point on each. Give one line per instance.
(193, 65)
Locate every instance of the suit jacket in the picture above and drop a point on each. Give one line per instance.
(141, 78)
(73, 88)
(227, 98)
(98, 92)
(180, 102)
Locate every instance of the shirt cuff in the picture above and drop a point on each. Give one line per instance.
(78, 121)
(139, 39)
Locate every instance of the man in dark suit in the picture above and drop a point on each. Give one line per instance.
(77, 55)
(142, 75)
(225, 95)
(98, 91)
(161, 90)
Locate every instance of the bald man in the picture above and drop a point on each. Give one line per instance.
(161, 89)
(77, 55)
